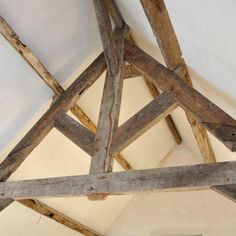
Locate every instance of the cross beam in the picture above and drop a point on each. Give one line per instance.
(215, 120)
(192, 177)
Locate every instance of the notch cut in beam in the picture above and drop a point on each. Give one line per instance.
(192, 177)
(106, 33)
(53, 214)
(163, 30)
(220, 124)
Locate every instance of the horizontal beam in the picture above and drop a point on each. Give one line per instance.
(53, 214)
(215, 120)
(192, 177)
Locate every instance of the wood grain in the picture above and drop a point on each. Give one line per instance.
(163, 30)
(143, 120)
(215, 120)
(180, 178)
(102, 160)
(115, 13)
(106, 33)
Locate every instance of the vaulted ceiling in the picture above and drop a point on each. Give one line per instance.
(65, 38)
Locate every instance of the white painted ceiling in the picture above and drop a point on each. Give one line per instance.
(64, 36)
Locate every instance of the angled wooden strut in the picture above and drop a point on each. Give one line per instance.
(46, 76)
(158, 17)
(46, 122)
(130, 130)
(179, 178)
(215, 120)
(59, 217)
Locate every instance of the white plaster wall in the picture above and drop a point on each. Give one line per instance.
(64, 36)
(206, 33)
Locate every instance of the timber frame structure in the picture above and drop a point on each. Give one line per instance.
(170, 87)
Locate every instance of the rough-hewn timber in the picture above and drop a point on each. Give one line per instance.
(106, 33)
(192, 177)
(102, 160)
(152, 113)
(163, 30)
(220, 124)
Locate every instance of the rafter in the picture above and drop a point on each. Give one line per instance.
(215, 120)
(61, 218)
(158, 17)
(108, 42)
(38, 132)
(194, 177)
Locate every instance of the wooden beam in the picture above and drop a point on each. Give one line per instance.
(143, 120)
(46, 76)
(53, 214)
(46, 122)
(115, 13)
(76, 132)
(106, 33)
(180, 178)
(160, 22)
(130, 72)
(102, 160)
(229, 191)
(5, 203)
(10, 35)
(147, 117)
(39, 131)
(220, 124)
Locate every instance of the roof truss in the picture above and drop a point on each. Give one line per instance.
(109, 139)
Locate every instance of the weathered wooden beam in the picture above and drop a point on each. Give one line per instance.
(39, 131)
(228, 191)
(143, 120)
(32, 60)
(130, 72)
(163, 30)
(147, 117)
(53, 214)
(169, 121)
(76, 132)
(192, 177)
(46, 122)
(10, 35)
(220, 124)
(106, 33)
(5, 203)
(115, 13)
(102, 160)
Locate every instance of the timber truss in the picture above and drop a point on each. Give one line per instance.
(121, 59)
